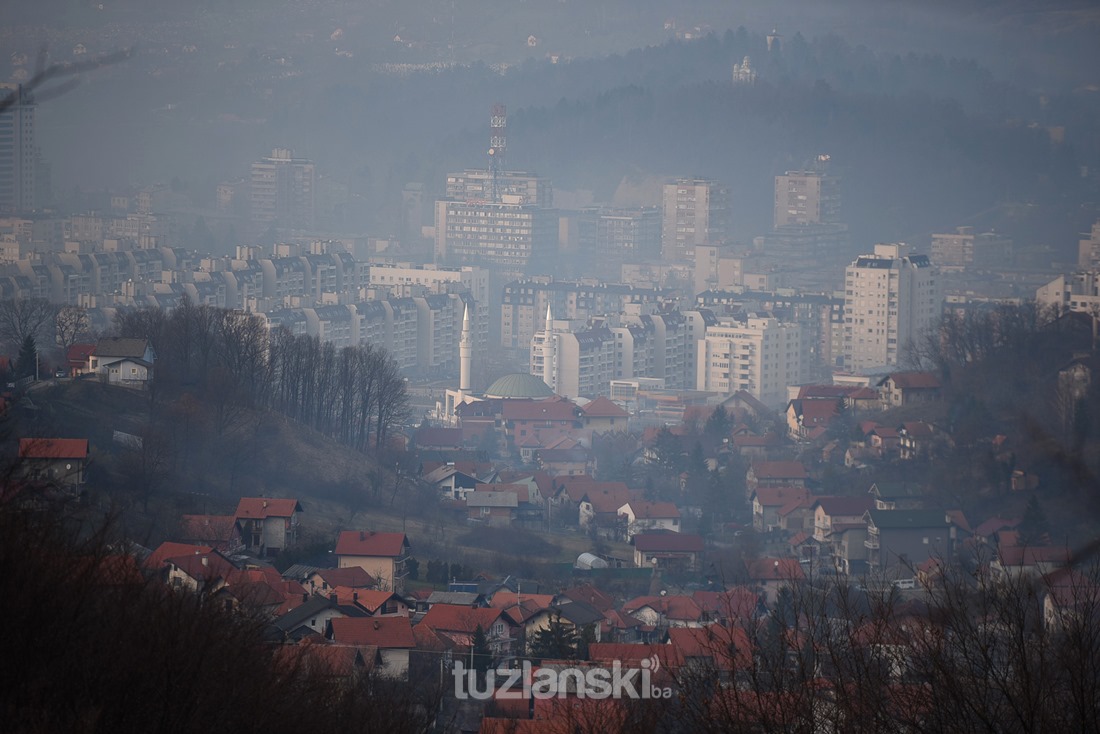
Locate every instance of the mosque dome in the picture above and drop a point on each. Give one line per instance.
(518, 385)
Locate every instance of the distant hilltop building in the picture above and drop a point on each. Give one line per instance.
(743, 73)
(964, 249)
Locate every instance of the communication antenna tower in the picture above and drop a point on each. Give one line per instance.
(498, 147)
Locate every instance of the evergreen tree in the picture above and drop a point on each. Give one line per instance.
(1034, 528)
(719, 424)
(557, 640)
(481, 654)
(27, 362)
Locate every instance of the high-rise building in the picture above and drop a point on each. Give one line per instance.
(805, 198)
(574, 363)
(695, 212)
(891, 299)
(963, 249)
(759, 355)
(509, 237)
(18, 152)
(476, 184)
(282, 193)
(1088, 253)
(609, 237)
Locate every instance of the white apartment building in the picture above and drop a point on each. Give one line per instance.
(1077, 292)
(891, 300)
(573, 362)
(695, 212)
(760, 355)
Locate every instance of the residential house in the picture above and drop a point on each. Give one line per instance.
(664, 612)
(393, 636)
(768, 501)
(207, 572)
(641, 515)
(1014, 559)
(433, 438)
(897, 496)
(220, 532)
(268, 525)
(57, 461)
(737, 605)
(450, 482)
(772, 574)
(713, 650)
(908, 388)
(915, 440)
(545, 420)
(774, 474)
(840, 529)
(603, 416)
(572, 615)
(311, 617)
(324, 581)
(382, 555)
(497, 509)
(673, 551)
(123, 361)
(459, 624)
(574, 461)
(77, 359)
(599, 506)
(899, 540)
(808, 419)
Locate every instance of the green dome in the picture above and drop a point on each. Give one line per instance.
(518, 385)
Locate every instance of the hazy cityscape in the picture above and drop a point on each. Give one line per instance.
(550, 366)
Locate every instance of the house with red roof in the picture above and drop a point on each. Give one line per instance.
(713, 649)
(382, 555)
(208, 571)
(544, 420)
(603, 416)
(392, 636)
(459, 624)
(57, 461)
(675, 551)
(772, 574)
(220, 532)
(642, 515)
(736, 605)
(808, 418)
(599, 505)
(774, 474)
(76, 359)
(909, 388)
(663, 612)
(325, 580)
(915, 439)
(268, 525)
(768, 501)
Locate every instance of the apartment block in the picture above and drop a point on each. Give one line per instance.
(759, 355)
(695, 212)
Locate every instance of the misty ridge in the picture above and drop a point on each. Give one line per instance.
(890, 88)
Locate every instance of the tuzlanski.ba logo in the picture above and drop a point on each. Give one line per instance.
(548, 682)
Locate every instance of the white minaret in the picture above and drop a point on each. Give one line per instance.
(549, 350)
(465, 352)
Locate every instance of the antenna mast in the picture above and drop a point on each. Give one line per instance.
(498, 147)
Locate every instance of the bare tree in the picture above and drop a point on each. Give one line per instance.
(73, 326)
(23, 317)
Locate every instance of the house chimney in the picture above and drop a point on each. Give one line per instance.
(377, 625)
(362, 535)
(265, 504)
(206, 560)
(305, 597)
(355, 596)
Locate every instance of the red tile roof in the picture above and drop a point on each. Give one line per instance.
(602, 407)
(204, 567)
(548, 409)
(590, 595)
(78, 354)
(727, 647)
(53, 448)
(845, 506)
(353, 577)
(387, 633)
(457, 618)
(781, 496)
(676, 607)
(368, 543)
(168, 550)
(913, 380)
(218, 529)
(737, 603)
(259, 508)
(819, 392)
(607, 496)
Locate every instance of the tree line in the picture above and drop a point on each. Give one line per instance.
(355, 395)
